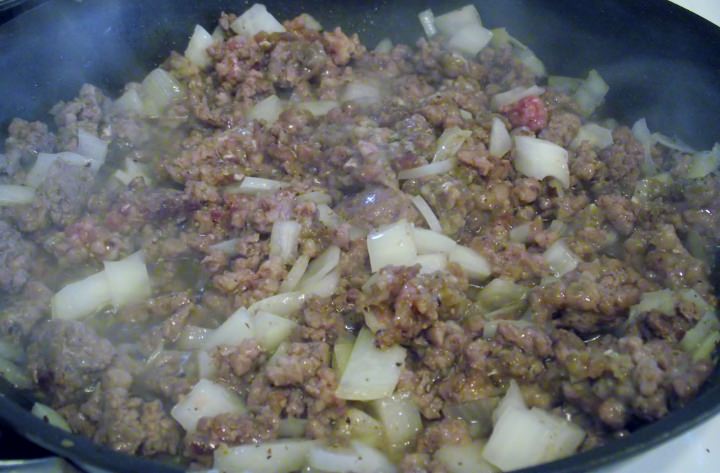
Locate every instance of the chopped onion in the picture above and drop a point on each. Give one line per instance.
(341, 356)
(268, 110)
(671, 143)
(256, 185)
(193, 337)
(513, 399)
(310, 22)
(15, 375)
(292, 427)
(321, 266)
(361, 92)
(597, 136)
(439, 167)
(284, 240)
(38, 173)
(540, 158)
(91, 146)
(591, 93)
(520, 233)
(206, 365)
(455, 20)
(363, 427)
(564, 439)
(159, 90)
(400, 418)
(237, 327)
(707, 348)
(694, 337)
(475, 265)
(500, 140)
(432, 263)
(132, 171)
(518, 440)
(371, 373)
(501, 292)
(196, 50)
(295, 274)
(128, 280)
(325, 287)
(271, 330)
(464, 458)
(256, 19)
(560, 259)
(11, 194)
(328, 217)
(218, 34)
(470, 40)
(528, 58)
(129, 103)
(384, 46)
(81, 298)
(476, 413)
(318, 108)
(652, 187)
(51, 416)
(642, 134)
(704, 163)
(281, 304)
(427, 21)
(317, 197)
(278, 456)
(360, 459)
(567, 85)
(428, 241)
(503, 99)
(229, 247)
(391, 245)
(206, 399)
(427, 213)
(450, 142)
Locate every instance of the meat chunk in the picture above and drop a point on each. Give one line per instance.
(376, 206)
(16, 258)
(25, 141)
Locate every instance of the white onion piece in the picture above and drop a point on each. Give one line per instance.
(450, 142)
(50, 415)
(292, 427)
(325, 287)
(15, 375)
(400, 418)
(256, 19)
(91, 146)
(44, 162)
(428, 241)
(470, 40)
(464, 458)
(284, 240)
(268, 110)
(81, 298)
(256, 185)
(206, 399)
(280, 304)
(641, 132)
(520, 233)
(500, 140)
(560, 259)
(391, 245)
(361, 93)
(229, 247)
(360, 459)
(196, 50)
(328, 217)
(318, 108)
(11, 194)
(567, 85)
(502, 99)
(193, 337)
(528, 58)
(132, 171)
(317, 197)
(427, 21)
(159, 90)
(513, 399)
(455, 20)
(206, 365)
(310, 22)
(321, 266)
(597, 136)
(218, 34)
(271, 330)
(591, 93)
(432, 263)
(295, 274)
(384, 46)
(341, 355)
(519, 439)
(278, 456)
(129, 103)
(564, 439)
(540, 158)
(363, 427)
(439, 167)
(704, 163)
(237, 327)
(671, 143)
(427, 212)
(128, 280)
(371, 373)
(475, 265)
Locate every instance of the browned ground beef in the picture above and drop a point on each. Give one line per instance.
(576, 351)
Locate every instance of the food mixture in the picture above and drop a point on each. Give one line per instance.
(285, 251)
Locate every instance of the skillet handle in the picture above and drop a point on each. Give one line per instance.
(40, 465)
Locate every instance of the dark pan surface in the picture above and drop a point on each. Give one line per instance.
(661, 62)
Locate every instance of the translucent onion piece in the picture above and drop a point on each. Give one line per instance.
(513, 399)
(292, 427)
(325, 287)
(51, 416)
(44, 162)
(206, 365)
(81, 298)
(560, 259)
(519, 439)
(520, 233)
(428, 241)
(452, 21)
(642, 134)
(159, 90)
(256, 19)
(672, 143)
(500, 140)
(295, 274)
(371, 373)
(256, 185)
(128, 280)
(196, 50)
(427, 212)
(567, 85)
(597, 136)
(11, 194)
(361, 92)
(193, 337)
(281, 304)
(564, 439)
(704, 163)
(439, 167)
(464, 458)
(501, 292)
(475, 265)
(431, 263)
(360, 459)
(450, 142)
(270, 330)
(363, 427)
(91, 146)
(318, 108)
(400, 418)
(321, 266)
(341, 356)
(237, 327)
(15, 375)
(132, 171)
(229, 247)
(310, 22)
(540, 158)
(206, 399)
(384, 46)
(267, 110)
(528, 58)
(278, 456)
(427, 21)
(317, 197)
(284, 240)
(129, 103)
(391, 245)
(470, 40)
(591, 93)
(502, 99)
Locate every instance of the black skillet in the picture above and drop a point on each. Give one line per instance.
(661, 62)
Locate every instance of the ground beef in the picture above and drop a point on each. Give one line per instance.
(15, 259)
(25, 141)
(65, 192)
(20, 316)
(375, 207)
